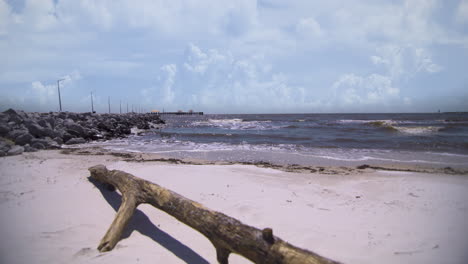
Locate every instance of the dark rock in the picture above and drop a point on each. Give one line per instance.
(66, 136)
(23, 139)
(106, 126)
(51, 144)
(58, 140)
(4, 118)
(75, 129)
(4, 129)
(43, 123)
(38, 140)
(28, 148)
(51, 122)
(47, 142)
(38, 145)
(14, 116)
(49, 132)
(16, 133)
(143, 126)
(75, 141)
(64, 126)
(35, 129)
(15, 150)
(4, 147)
(62, 115)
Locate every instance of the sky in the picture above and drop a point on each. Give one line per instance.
(235, 56)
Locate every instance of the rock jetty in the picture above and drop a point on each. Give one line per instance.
(24, 132)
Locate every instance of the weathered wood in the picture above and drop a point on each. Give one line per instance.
(227, 234)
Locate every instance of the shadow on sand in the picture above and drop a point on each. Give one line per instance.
(141, 223)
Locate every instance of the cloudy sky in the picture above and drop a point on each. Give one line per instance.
(235, 56)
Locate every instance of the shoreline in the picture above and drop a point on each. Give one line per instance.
(337, 168)
(350, 215)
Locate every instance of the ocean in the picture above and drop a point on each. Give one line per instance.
(433, 139)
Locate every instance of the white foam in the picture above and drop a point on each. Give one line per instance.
(418, 130)
(237, 124)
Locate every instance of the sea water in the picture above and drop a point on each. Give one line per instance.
(436, 139)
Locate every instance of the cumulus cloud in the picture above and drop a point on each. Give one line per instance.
(354, 91)
(5, 11)
(247, 51)
(309, 27)
(402, 63)
(216, 81)
(48, 93)
(461, 15)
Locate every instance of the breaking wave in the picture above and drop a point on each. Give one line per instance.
(237, 124)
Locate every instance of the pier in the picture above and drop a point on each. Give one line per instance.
(178, 113)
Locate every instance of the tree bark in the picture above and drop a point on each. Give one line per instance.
(227, 234)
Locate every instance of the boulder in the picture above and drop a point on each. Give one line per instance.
(75, 141)
(58, 140)
(4, 129)
(73, 128)
(23, 139)
(4, 147)
(15, 150)
(4, 118)
(16, 133)
(66, 136)
(38, 145)
(35, 129)
(51, 122)
(28, 148)
(13, 116)
(51, 144)
(49, 132)
(43, 123)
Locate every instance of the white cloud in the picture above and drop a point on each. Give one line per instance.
(216, 81)
(5, 11)
(423, 61)
(43, 92)
(353, 91)
(246, 51)
(309, 27)
(461, 15)
(47, 93)
(170, 72)
(403, 62)
(378, 60)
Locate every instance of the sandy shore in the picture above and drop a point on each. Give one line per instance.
(51, 213)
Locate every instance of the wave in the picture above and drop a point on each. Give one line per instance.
(237, 124)
(418, 130)
(395, 126)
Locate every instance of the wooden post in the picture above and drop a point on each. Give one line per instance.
(92, 104)
(227, 234)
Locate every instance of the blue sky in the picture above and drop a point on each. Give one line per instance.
(235, 56)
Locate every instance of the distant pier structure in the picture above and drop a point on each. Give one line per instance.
(190, 112)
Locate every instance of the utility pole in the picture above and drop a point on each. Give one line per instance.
(108, 102)
(120, 106)
(58, 88)
(132, 108)
(92, 104)
(127, 107)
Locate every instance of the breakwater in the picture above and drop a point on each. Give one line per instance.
(22, 131)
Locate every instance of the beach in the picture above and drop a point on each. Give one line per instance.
(52, 213)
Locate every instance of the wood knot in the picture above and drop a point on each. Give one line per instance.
(267, 234)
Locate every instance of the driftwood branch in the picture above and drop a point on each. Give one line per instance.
(227, 234)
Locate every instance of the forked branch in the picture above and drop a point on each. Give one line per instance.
(227, 234)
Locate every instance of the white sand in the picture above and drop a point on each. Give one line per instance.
(51, 213)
